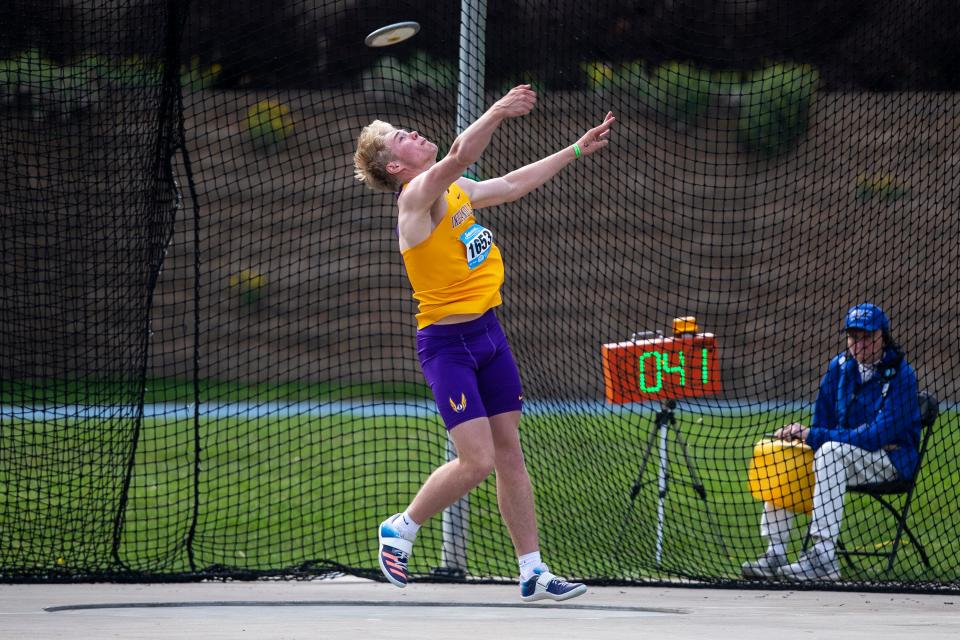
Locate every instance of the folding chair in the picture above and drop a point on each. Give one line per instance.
(929, 410)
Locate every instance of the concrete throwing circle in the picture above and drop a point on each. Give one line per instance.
(371, 608)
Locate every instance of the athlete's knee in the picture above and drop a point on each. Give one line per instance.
(477, 465)
(476, 452)
(510, 460)
(477, 462)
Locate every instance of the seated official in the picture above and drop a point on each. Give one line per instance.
(866, 429)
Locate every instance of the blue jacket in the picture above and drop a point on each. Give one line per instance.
(881, 412)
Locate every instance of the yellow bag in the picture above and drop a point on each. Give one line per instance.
(781, 473)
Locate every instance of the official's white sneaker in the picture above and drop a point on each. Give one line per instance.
(813, 565)
(544, 585)
(766, 566)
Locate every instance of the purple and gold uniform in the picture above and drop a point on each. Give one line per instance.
(458, 270)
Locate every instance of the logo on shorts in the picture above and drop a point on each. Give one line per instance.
(459, 408)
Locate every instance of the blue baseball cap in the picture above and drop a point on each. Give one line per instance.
(867, 317)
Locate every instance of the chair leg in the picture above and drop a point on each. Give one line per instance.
(901, 518)
(901, 523)
(902, 528)
(916, 543)
(843, 555)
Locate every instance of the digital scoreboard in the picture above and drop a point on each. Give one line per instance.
(684, 366)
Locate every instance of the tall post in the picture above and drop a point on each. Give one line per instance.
(473, 57)
(473, 27)
(662, 478)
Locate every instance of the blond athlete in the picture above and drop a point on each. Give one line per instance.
(456, 270)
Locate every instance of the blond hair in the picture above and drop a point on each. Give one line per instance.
(372, 155)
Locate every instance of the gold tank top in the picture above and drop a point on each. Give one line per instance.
(457, 269)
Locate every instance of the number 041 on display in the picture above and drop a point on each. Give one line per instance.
(661, 368)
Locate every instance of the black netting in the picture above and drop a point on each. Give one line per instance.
(256, 407)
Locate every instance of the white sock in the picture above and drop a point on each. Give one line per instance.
(405, 526)
(779, 550)
(528, 562)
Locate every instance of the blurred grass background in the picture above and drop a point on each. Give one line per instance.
(276, 490)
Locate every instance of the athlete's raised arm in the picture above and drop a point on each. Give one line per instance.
(522, 181)
(430, 182)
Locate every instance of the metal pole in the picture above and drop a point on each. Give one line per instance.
(455, 520)
(473, 26)
(473, 33)
(661, 487)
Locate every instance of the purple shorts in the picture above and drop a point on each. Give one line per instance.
(470, 368)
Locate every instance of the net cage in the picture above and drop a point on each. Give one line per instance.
(208, 362)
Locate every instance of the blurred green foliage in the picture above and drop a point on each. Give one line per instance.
(775, 106)
(773, 103)
(54, 88)
(47, 89)
(404, 77)
(130, 72)
(677, 89)
(268, 124)
(249, 285)
(196, 76)
(525, 77)
(29, 69)
(36, 87)
(881, 187)
(599, 75)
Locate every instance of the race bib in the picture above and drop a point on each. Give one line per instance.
(478, 241)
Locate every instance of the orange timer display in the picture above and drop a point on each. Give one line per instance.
(685, 366)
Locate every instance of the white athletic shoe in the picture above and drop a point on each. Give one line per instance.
(813, 565)
(394, 554)
(544, 585)
(766, 566)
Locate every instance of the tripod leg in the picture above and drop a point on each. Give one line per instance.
(701, 491)
(694, 477)
(635, 489)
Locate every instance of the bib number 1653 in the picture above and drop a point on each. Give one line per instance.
(478, 241)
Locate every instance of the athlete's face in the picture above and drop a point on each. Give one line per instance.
(411, 149)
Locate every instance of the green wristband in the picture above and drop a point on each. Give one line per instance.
(576, 150)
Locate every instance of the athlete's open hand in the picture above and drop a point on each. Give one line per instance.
(519, 101)
(598, 137)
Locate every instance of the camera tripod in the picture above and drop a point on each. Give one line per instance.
(664, 425)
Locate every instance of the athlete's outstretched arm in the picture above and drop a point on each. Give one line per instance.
(519, 183)
(424, 190)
